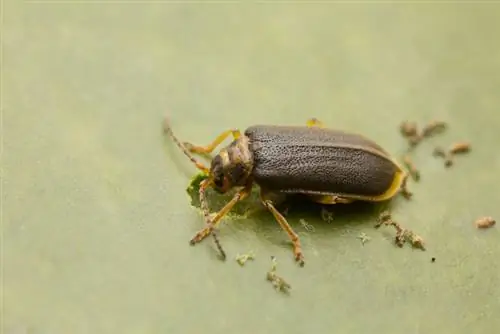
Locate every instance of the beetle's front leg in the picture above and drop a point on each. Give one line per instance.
(297, 248)
(212, 223)
(314, 122)
(209, 148)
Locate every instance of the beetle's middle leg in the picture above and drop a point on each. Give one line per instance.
(210, 147)
(297, 248)
(330, 199)
(314, 122)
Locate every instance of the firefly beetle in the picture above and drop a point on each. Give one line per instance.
(329, 166)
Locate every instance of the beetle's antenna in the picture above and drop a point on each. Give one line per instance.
(168, 129)
(206, 213)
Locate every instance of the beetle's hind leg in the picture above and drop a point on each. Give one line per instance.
(404, 188)
(210, 147)
(314, 122)
(297, 248)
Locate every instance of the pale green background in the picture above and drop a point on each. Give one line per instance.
(96, 220)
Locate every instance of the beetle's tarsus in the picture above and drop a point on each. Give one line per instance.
(205, 232)
(314, 122)
(222, 254)
(196, 239)
(300, 259)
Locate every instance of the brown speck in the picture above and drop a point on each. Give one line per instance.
(415, 240)
(433, 128)
(408, 129)
(402, 234)
(462, 147)
(447, 156)
(414, 140)
(485, 222)
(439, 152)
(277, 281)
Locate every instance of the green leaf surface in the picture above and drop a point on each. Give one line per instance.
(99, 205)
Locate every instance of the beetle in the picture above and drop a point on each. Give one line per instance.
(328, 166)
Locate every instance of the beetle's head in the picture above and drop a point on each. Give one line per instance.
(232, 166)
(218, 170)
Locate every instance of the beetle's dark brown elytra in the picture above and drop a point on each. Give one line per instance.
(314, 160)
(330, 166)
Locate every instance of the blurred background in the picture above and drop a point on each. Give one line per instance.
(95, 215)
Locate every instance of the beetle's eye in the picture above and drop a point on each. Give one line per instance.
(219, 179)
(216, 171)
